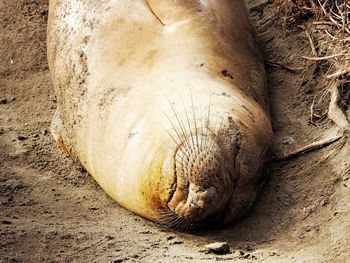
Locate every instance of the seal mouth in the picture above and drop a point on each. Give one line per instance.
(203, 181)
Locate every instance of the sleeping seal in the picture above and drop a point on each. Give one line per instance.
(164, 102)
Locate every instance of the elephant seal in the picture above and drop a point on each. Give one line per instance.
(164, 102)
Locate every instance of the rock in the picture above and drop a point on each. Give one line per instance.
(218, 248)
(145, 232)
(248, 248)
(176, 242)
(22, 137)
(11, 185)
(238, 254)
(288, 140)
(109, 237)
(6, 222)
(3, 101)
(7, 100)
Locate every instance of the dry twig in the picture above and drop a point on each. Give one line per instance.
(334, 112)
(281, 66)
(310, 147)
(325, 57)
(313, 49)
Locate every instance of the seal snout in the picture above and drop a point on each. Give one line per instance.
(203, 180)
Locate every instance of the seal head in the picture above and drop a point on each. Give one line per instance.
(204, 178)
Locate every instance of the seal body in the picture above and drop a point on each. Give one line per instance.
(163, 102)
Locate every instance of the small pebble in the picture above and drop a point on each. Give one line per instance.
(145, 232)
(218, 248)
(22, 137)
(7, 100)
(288, 140)
(3, 101)
(176, 242)
(6, 222)
(109, 237)
(248, 248)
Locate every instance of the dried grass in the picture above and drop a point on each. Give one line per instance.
(328, 32)
(326, 24)
(295, 10)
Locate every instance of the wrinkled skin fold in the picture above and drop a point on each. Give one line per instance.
(164, 103)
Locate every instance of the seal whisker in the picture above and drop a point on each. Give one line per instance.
(189, 225)
(221, 126)
(174, 219)
(172, 125)
(177, 133)
(184, 224)
(174, 149)
(188, 122)
(217, 135)
(167, 217)
(178, 223)
(166, 212)
(182, 127)
(184, 160)
(208, 121)
(170, 220)
(194, 118)
(185, 168)
(171, 147)
(220, 131)
(171, 138)
(201, 138)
